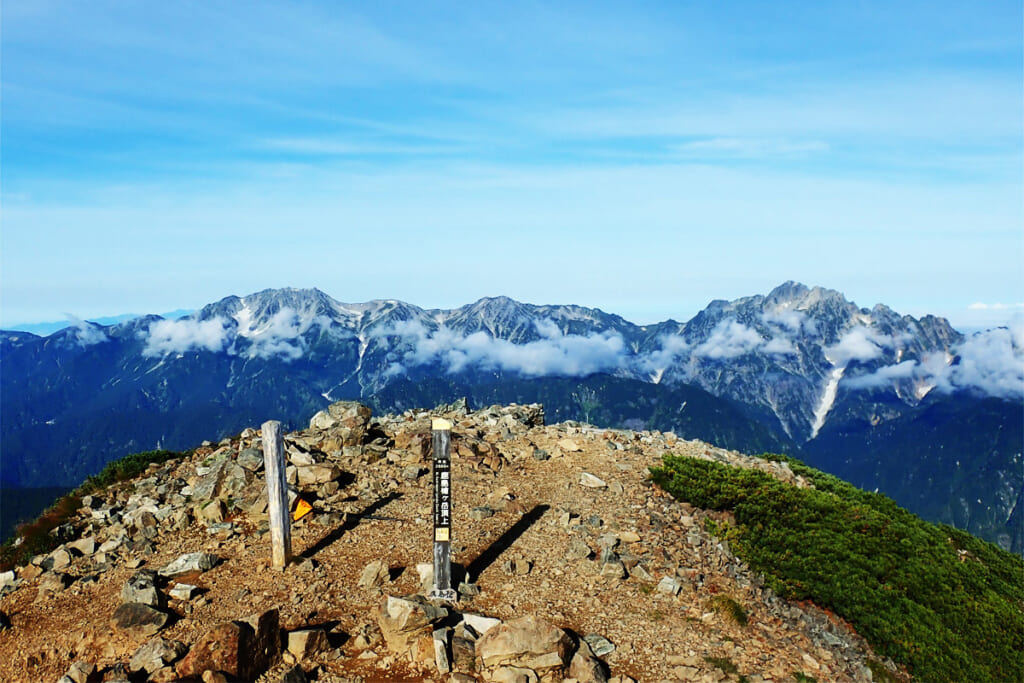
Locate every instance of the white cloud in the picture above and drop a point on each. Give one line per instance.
(729, 339)
(792, 320)
(179, 336)
(87, 333)
(673, 347)
(990, 362)
(280, 336)
(555, 354)
(979, 306)
(860, 344)
(781, 346)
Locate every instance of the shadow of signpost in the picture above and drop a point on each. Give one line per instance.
(351, 522)
(503, 543)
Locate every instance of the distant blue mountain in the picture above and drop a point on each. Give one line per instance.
(46, 329)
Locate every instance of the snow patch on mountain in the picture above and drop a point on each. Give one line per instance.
(828, 399)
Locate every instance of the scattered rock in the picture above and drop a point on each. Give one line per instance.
(80, 671)
(592, 482)
(183, 591)
(311, 475)
(236, 648)
(251, 459)
(141, 588)
(480, 513)
(156, 654)
(307, 643)
(599, 645)
(139, 619)
(189, 563)
(347, 420)
(528, 641)
(404, 620)
(585, 667)
(669, 585)
(374, 574)
(83, 546)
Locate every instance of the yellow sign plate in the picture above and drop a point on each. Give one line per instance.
(442, 534)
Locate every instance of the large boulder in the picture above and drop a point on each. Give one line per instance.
(347, 420)
(403, 621)
(529, 642)
(239, 649)
(138, 619)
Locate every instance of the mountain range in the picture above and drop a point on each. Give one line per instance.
(909, 406)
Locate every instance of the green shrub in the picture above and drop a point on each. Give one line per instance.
(37, 536)
(723, 604)
(938, 600)
(723, 663)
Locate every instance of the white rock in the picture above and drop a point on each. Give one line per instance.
(591, 482)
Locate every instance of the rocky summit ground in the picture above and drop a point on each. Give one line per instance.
(571, 564)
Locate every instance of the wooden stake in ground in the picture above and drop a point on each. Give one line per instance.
(442, 461)
(277, 493)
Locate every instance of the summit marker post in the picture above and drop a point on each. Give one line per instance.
(277, 493)
(441, 439)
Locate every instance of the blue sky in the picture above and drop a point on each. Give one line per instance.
(643, 158)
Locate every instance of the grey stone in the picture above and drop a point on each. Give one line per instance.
(156, 654)
(480, 513)
(251, 459)
(411, 472)
(57, 560)
(541, 455)
(479, 623)
(585, 667)
(209, 484)
(83, 546)
(139, 619)
(613, 570)
(591, 481)
(311, 475)
(517, 567)
(669, 585)
(440, 639)
(141, 588)
(599, 645)
(6, 578)
(189, 563)
(578, 549)
(183, 591)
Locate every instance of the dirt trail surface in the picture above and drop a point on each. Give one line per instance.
(560, 522)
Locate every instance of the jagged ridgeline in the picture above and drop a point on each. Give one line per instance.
(909, 406)
(713, 562)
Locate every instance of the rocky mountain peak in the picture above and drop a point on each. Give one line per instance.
(570, 564)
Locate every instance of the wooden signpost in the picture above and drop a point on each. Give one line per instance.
(441, 433)
(277, 494)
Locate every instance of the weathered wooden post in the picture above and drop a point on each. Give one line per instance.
(277, 493)
(441, 434)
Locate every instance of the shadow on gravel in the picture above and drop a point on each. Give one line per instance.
(503, 543)
(351, 522)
